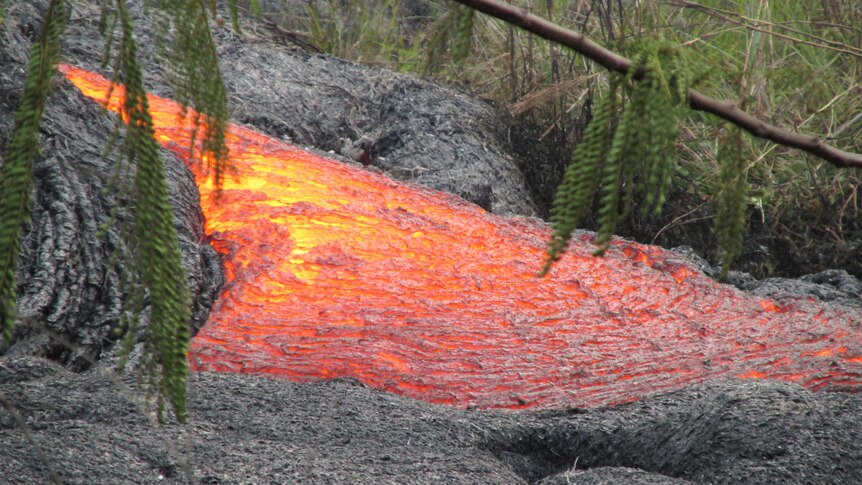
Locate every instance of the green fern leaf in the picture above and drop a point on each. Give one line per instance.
(609, 203)
(16, 173)
(732, 196)
(158, 259)
(575, 194)
(195, 76)
(463, 34)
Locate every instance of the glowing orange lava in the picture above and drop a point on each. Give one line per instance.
(335, 271)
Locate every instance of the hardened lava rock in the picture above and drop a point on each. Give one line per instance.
(71, 293)
(251, 429)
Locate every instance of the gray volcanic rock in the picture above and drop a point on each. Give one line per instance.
(69, 276)
(251, 429)
(608, 475)
(834, 285)
(414, 130)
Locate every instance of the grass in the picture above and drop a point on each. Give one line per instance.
(795, 63)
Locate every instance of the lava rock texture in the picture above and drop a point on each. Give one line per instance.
(250, 429)
(69, 278)
(80, 420)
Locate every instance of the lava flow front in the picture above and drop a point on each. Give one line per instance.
(335, 271)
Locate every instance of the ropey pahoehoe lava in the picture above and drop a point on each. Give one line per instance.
(336, 271)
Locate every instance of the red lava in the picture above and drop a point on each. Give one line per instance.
(336, 271)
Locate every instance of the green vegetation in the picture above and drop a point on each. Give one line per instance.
(16, 174)
(158, 261)
(795, 64)
(156, 269)
(628, 158)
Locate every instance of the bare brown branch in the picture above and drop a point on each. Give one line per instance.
(697, 100)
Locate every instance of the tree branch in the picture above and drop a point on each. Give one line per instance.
(697, 100)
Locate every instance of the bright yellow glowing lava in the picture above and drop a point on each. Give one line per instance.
(335, 271)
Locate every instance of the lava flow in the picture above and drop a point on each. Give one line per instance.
(336, 271)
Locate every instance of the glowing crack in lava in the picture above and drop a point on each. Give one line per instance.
(335, 271)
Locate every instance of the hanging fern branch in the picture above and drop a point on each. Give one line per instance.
(195, 76)
(575, 194)
(630, 161)
(464, 34)
(158, 259)
(609, 205)
(16, 174)
(726, 110)
(157, 262)
(640, 162)
(193, 70)
(731, 194)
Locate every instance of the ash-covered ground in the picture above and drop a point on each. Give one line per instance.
(87, 425)
(251, 429)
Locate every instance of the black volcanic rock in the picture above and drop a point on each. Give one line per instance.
(69, 277)
(251, 429)
(415, 130)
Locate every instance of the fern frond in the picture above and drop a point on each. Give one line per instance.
(640, 142)
(656, 114)
(195, 76)
(575, 194)
(234, 14)
(609, 202)
(254, 6)
(16, 172)
(732, 194)
(107, 25)
(158, 258)
(636, 157)
(463, 34)
(671, 92)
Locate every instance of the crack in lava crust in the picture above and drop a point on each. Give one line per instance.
(335, 271)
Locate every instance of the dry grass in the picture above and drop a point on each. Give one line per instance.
(797, 64)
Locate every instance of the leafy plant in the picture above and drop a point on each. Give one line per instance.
(16, 174)
(794, 64)
(629, 158)
(184, 35)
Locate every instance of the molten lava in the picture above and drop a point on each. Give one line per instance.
(336, 271)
